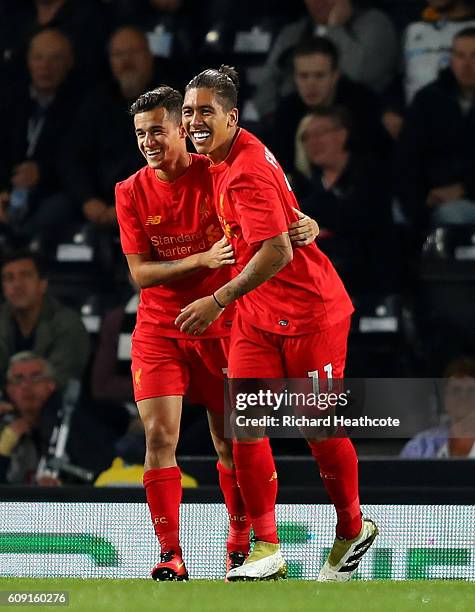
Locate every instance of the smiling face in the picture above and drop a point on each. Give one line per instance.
(208, 124)
(160, 138)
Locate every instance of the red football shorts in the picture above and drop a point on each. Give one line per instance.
(255, 353)
(173, 366)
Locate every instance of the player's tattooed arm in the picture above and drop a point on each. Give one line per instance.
(273, 255)
(148, 273)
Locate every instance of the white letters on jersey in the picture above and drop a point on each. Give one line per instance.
(272, 160)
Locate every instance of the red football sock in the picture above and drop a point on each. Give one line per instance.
(163, 490)
(257, 478)
(338, 463)
(239, 524)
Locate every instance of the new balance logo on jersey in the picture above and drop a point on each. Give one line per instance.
(153, 220)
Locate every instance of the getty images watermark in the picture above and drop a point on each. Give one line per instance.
(326, 403)
(360, 408)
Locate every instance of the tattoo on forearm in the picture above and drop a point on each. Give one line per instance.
(251, 277)
(281, 251)
(244, 282)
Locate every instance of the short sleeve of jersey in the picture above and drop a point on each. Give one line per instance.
(133, 238)
(259, 208)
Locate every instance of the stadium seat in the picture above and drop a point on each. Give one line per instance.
(448, 254)
(79, 263)
(447, 295)
(382, 338)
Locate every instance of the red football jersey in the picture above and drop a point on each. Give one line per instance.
(254, 202)
(172, 220)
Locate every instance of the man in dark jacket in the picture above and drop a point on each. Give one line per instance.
(33, 117)
(320, 83)
(348, 193)
(31, 320)
(365, 37)
(101, 149)
(435, 162)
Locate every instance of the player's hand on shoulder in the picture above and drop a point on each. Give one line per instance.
(198, 316)
(220, 254)
(304, 230)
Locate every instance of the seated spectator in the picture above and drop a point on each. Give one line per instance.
(101, 149)
(427, 43)
(435, 157)
(27, 419)
(426, 52)
(455, 437)
(32, 119)
(172, 33)
(320, 83)
(32, 320)
(82, 22)
(347, 192)
(365, 37)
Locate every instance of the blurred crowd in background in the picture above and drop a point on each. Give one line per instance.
(368, 106)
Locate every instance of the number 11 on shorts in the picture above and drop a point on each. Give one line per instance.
(314, 376)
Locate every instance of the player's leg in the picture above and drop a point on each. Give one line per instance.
(323, 356)
(162, 477)
(159, 383)
(208, 366)
(237, 542)
(254, 354)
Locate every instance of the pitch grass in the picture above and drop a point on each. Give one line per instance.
(282, 596)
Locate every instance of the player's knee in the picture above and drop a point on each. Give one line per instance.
(224, 450)
(159, 438)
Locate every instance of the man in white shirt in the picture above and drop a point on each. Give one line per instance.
(427, 43)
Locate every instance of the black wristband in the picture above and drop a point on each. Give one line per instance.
(220, 305)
